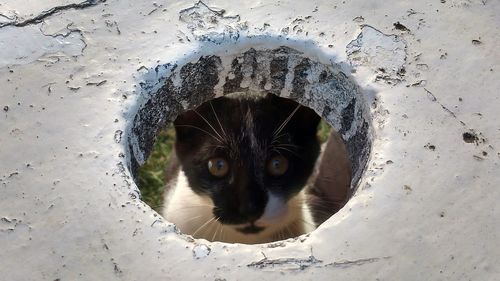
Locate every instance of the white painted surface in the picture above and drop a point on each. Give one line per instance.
(65, 209)
(12, 10)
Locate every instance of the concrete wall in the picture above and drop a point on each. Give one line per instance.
(74, 77)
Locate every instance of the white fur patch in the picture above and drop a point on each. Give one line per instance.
(193, 215)
(275, 210)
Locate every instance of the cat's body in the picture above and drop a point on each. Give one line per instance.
(242, 164)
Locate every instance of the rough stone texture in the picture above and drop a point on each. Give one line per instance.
(282, 71)
(197, 82)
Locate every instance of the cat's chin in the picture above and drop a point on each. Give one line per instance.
(281, 219)
(250, 229)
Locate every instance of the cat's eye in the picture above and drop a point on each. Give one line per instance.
(218, 167)
(277, 165)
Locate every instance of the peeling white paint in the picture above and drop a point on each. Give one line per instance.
(210, 24)
(27, 44)
(27, 8)
(383, 53)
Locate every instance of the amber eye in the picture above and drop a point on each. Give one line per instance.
(218, 167)
(277, 166)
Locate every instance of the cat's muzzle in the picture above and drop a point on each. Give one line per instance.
(250, 229)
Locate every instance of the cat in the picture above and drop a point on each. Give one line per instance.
(240, 170)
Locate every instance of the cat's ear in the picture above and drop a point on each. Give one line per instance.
(189, 129)
(305, 121)
(188, 125)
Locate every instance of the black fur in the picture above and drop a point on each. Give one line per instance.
(245, 138)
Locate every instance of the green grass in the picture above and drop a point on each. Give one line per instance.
(152, 173)
(323, 131)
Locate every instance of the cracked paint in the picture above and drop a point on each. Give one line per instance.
(428, 196)
(28, 39)
(13, 19)
(211, 24)
(27, 44)
(285, 263)
(384, 54)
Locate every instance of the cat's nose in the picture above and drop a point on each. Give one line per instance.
(251, 211)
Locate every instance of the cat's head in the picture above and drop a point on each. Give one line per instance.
(250, 154)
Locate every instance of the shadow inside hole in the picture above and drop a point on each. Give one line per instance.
(325, 189)
(282, 71)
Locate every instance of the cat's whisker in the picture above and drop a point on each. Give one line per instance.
(289, 144)
(276, 150)
(217, 146)
(203, 225)
(213, 225)
(215, 233)
(216, 229)
(218, 121)
(185, 208)
(289, 150)
(194, 127)
(276, 138)
(280, 128)
(221, 231)
(208, 123)
(193, 218)
(194, 206)
(284, 148)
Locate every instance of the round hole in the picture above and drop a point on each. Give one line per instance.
(281, 71)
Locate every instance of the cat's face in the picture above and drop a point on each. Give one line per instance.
(250, 155)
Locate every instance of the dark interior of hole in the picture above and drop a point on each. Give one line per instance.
(331, 93)
(327, 187)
